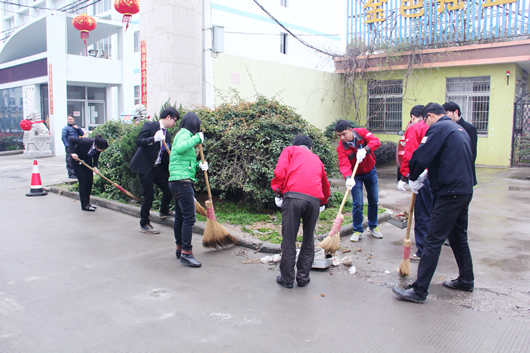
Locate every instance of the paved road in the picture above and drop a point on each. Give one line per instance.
(73, 281)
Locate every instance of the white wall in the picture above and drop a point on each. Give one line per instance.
(250, 33)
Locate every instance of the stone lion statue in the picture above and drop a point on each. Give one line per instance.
(37, 125)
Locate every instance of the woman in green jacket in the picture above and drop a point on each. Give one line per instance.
(182, 168)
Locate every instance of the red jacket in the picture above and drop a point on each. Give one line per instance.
(413, 137)
(300, 170)
(348, 154)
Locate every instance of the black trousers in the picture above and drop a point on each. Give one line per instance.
(85, 177)
(294, 210)
(158, 176)
(69, 164)
(449, 221)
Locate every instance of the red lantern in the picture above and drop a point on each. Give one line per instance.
(85, 24)
(127, 8)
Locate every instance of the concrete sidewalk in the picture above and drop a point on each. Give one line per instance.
(90, 282)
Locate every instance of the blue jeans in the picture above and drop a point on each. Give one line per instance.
(372, 190)
(184, 212)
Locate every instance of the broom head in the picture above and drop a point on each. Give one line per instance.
(215, 235)
(404, 268)
(331, 243)
(199, 209)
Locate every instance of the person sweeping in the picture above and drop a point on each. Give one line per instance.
(182, 169)
(302, 185)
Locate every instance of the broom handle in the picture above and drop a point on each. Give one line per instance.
(411, 212)
(166, 146)
(347, 190)
(205, 174)
(113, 183)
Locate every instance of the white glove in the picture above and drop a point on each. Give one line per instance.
(279, 201)
(159, 136)
(360, 155)
(203, 166)
(423, 176)
(321, 208)
(401, 185)
(350, 182)
(201, 135)
(415, 186)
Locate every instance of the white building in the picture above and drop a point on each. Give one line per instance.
(43, 65)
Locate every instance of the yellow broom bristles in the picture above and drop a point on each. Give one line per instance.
(215, 235)
(199, 209)
(404, 268)
(331, 243)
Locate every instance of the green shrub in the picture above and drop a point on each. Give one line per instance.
(243, 143)
(330, 133)
(10, 141)
(385, 153)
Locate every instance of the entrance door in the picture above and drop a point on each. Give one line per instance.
(521, 132)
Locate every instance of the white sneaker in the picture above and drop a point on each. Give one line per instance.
(376, 233)
(356, 236)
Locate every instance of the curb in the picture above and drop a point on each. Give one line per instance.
(8, 153)
(242, 239)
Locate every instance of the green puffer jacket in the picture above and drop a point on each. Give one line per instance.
(183, 160)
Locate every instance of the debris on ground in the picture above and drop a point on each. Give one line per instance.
(352, 270)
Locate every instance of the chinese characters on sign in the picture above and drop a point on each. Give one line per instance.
(143, 48)
(28, 100)
(50, 88)
(415, 8)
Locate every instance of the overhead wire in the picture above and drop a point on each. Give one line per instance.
(291, 33)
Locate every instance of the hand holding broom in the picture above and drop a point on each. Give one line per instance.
(332, 241)
(198, 208)
(404, 268)
(113, 183)
(215, 235)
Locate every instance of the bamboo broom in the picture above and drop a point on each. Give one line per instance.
(215, 235)
(198, 208)
(113, 183)
(332, 241)
(404, 268)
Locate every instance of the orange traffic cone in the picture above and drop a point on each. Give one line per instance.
(36, 185)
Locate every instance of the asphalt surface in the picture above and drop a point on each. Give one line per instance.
(73, 281)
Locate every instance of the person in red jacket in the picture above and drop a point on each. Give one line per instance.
(302, 187)
(359, 145)
(423, 205)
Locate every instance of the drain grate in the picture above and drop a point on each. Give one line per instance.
(515, 188)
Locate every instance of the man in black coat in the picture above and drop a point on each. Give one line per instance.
(151, 161)
(446, 152)
(453, 111)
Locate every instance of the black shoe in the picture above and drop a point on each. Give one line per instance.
(178, 253)
(189, 260)
(164, 215)
(72, 177)
(282, 283)
(94, 207)
(303, 284)
(148, 228)
(408, 294)
(456, 284)
(89, 209)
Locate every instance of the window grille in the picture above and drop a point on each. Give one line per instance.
(385, 113)
(472, 94)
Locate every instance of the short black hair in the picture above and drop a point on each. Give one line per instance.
(172, 112)
(101, 143)
(342, 125)
(191, 122)
(304, 140)
(434, 108)
(452, 107)
(417, 110)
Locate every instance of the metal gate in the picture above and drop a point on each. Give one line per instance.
(521, 132)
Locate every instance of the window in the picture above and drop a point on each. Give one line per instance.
(136, 41)
(283, 3)
(136, 95)
(472, 94)
(283, 43)
(385, 113)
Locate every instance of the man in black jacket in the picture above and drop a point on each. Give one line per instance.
(151, 161)
(453, 111)
(446, 152)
